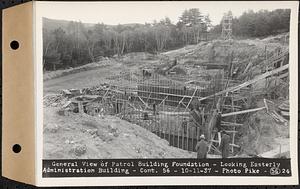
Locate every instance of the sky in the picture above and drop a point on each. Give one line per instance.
(114, 13)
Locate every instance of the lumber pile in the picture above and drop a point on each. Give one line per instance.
(284, 109)
(272, 110)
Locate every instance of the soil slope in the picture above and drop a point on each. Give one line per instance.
(80, 136)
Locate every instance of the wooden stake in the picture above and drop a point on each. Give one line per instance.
(193, 134)
(233, 135)
(178, 132)
(173, 134)
(182, 136)
(198, 133)
(191, 99)
(169, 133)
(187, 137)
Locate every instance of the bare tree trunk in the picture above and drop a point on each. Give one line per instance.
(123, 44)
(91, 51)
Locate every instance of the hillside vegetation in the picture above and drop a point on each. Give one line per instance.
(71, 44)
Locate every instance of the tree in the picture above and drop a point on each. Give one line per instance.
(191, 17)
(193, 25)
(259, 24)
(162, 34)
(207, 22)
(54, 54)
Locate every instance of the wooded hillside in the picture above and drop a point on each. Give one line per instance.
(70, 44)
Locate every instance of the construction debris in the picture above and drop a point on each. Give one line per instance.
(285, 109)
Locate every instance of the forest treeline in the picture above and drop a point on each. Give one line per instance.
(77, 43)
(259, 24)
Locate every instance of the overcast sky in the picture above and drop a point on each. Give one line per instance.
(114, 13)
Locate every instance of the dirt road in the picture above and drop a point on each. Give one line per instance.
(82, 79)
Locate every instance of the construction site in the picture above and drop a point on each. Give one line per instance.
(143, 105)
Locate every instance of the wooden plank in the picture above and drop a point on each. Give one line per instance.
(182, 137)
(283, 75)
(216, 141)
(211, 124)
(231, 131)
(247, 68)
(159, 130)
(229, 106)
(143, 101)
(231, 123)
(234, 145)
(178, 138)
(211, 142)
(183, 104)
(198, 134)
(191, 99)
(193, 137)
(175, 113)
(234, 118)
(80, 107)
(147, 101)
(216, 149)
(163, 93)
(282, 119)
(169, 132)
(162, 102)
(173, 134)
(242, 112)
(276, 58)
(187, 137)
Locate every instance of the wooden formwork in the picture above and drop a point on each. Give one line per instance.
(179, 127)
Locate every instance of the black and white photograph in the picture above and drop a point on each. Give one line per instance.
(150, 93)
(166, 82)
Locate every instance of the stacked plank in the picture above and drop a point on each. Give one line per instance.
(273, 111)
(285, 109)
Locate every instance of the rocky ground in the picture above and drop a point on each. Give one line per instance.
(81, 136)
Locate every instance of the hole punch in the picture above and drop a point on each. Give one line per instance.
(14, 45)
(16, 148)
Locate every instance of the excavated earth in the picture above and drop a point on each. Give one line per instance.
(81, 136)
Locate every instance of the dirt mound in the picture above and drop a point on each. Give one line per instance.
(138, 56)
(85, 136)
(261, 133)
(281, 38)
(243, 51)
(179, 52)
